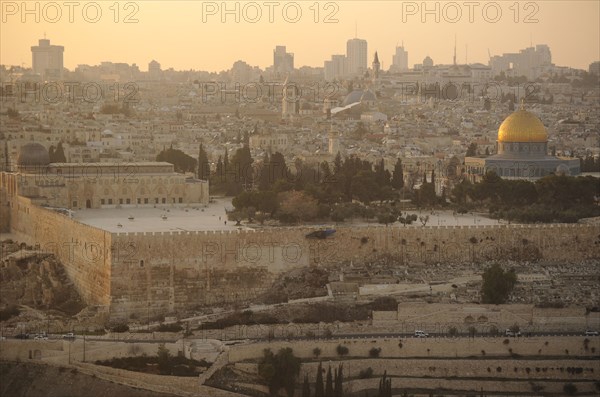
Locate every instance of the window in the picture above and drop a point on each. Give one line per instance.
(164, 200)
(156, 200)
(110, 201)
(120, 201)
(180, 200)
(128, 201)
(74, 203)
(102, 201)
(139, 201)
(173, 200)
(145, 201)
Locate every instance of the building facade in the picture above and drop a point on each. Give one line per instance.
(76, 186)
(47, 60)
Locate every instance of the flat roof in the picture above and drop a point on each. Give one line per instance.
(196, 217)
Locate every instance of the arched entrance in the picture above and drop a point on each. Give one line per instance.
(88, 203)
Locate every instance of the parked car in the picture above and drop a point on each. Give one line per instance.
(421, 334)
(40, 337)
(508, 332)
(70, 335)
(591, 333)
(22, 336)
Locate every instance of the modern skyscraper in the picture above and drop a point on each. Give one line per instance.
(283, 61)
(400, 60)
(335, 68)
(356, 57)
(47, 60)
(527, 62)
(154, 69)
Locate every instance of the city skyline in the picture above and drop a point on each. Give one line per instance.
(312, 43)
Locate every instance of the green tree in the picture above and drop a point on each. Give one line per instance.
(338, 382)
(570, 389)
(164, 358)
(305, 387)
(279, 370)
(329, 383)
(316, 352)
(341, 350)
(59, 154)
(295, 206)
(385, 386)
(203, 165)
(497, 284)
(472, 150)
(181, 161)
(319, 389)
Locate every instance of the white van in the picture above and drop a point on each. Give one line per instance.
(421, 334)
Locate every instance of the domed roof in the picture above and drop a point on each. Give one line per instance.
(359, 96)
(522, 126)
(33, 154)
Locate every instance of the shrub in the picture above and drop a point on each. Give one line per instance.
(316, 352)
(499, 369)
(506, 341)
(452, 331)
(365, 373)
(9, 312)
(374, 352)
(120, 328)
(175, 327)
(570, 389)
(341, 350)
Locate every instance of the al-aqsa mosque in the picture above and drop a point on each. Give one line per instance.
(521, 152)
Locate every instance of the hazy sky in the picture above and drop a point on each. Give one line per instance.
(178, 34)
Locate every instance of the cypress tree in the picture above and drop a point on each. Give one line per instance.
(319, 391)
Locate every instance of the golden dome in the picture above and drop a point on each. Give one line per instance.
(522, 126)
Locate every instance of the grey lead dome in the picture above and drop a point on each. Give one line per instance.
(33, 154)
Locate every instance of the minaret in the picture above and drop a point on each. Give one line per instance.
(333, 142)
(376, 66)
(454, 50)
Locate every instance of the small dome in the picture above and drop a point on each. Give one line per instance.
(33, 154)
(522, 126)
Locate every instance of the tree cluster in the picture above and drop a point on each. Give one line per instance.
(549, 199)
(181, 161)
(57, 155)
(331, 388)
(279, 370)
(497, 284)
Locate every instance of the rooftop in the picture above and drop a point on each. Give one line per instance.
(193, 218)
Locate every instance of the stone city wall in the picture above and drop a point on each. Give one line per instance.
(425, 348)
(155, 273)
(84, 251)
(163, 272)
(440, 317)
